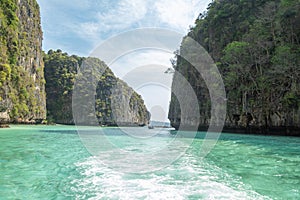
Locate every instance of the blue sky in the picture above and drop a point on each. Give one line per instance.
(79, 26)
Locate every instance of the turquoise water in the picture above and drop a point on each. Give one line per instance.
(51, 162)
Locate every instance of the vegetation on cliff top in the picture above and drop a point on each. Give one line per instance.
(60, 73)
(256, 46)
(21, 69)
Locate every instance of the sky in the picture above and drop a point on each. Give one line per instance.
(80, 26)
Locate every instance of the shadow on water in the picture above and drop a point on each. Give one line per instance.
(250, 139)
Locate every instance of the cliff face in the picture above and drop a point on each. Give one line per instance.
(256, 46)
(111, 93)
(117, 103)
(22, 91)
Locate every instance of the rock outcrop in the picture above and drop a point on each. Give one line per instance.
(22, 89)
(256, 46)
(115, 102)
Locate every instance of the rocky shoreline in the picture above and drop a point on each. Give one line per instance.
(4, 126)
(271, 131)
(293, 131)
(4, 123)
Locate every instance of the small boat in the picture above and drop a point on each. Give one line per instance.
(151, 127)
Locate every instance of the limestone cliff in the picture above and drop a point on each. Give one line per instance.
(22, 91)
(256, 46)
(115, 102)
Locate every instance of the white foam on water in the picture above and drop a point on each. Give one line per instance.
(188, 178)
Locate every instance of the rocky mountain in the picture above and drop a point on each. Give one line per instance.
(115, 102)
(22, 82)
(256, 46)
(22, 91)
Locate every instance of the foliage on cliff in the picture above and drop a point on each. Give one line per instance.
(256, 46)
(22, 95)
(60, 73)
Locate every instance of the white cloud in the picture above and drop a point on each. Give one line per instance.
(123, 16)
(82, 24)
(179, 13)
(115, 18)
(89, 30)
(136, 59)
(143, 70)
(127, 14)
(69, 4)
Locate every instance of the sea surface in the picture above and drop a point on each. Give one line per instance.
(55, 162)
